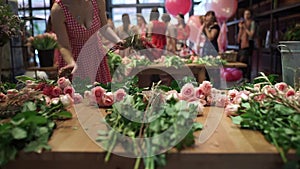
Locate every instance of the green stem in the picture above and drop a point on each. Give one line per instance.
(111, 148)
(137, 163)
(279, 149)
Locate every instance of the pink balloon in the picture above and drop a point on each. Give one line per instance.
(175, 7)
(224, 9)
(195, 25)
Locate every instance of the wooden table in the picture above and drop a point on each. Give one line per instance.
(197, 70)
(229, 147)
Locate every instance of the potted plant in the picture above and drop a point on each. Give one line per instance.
(45, 44)
(290, 56)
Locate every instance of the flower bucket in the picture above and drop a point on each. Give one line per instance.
(46, 57)
(290, 58)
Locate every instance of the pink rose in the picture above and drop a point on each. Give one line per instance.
(290, 92)
(63, 82)
(187, 91)
(3, 97)
(46, 99)
(30, 84)
(98, 92)
(108, 99)
(256, 87)
(221, 101)
(66, 100)
(206, 87)
(209, 100)
(260, 97)
(12, 93)
(282, 86)
(199, 93)
(232, 94)
(119, 95)
(56, 91)
(55, 100)
(269, 90)
(77, 98)
(69, 90)
(231, 109)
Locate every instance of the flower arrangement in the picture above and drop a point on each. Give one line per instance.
(28, 113)
(46, 41)
(9, 23)
(271, 108)
(177, 106)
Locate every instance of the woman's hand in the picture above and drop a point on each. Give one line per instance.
(68, 70)
(241, 25)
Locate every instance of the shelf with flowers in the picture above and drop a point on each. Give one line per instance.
(45, 44)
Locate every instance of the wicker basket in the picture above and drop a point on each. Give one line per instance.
(229, 56)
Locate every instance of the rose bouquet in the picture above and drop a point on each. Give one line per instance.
(44, 41)
(271, 108)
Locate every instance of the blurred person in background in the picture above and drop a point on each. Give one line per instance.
(141, 25)
(246, 41)
(171, 33)
(124, 31)
(211, 30)
(157, 30)
(183, 32)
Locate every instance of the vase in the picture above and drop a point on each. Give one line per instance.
(290, 58)
(46, 57)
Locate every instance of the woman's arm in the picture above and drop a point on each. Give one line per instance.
(250, 32)
(241, 29)
(58, 23)
(211, 33)
(105, 30)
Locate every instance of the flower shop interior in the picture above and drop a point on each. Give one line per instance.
(176, 84)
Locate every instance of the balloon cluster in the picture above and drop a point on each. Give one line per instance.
(224, 9)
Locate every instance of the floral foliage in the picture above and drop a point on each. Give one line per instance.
(9, 23)
(28, 113)
(271, 108)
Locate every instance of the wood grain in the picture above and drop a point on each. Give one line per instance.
(229, 147)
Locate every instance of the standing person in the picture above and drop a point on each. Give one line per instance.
(183, 32)
(171, 33)
(211, 30)
(141, 25)
(76, 24)
(124, 31)
(156, 30)
(246, 42)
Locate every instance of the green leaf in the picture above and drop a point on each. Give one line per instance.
(18, 133)
(197, 126)
(29, 106)
(37, 146)
(23, 78)
(246, 105)
(63, 115)
(38, 120)
(237, 120)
